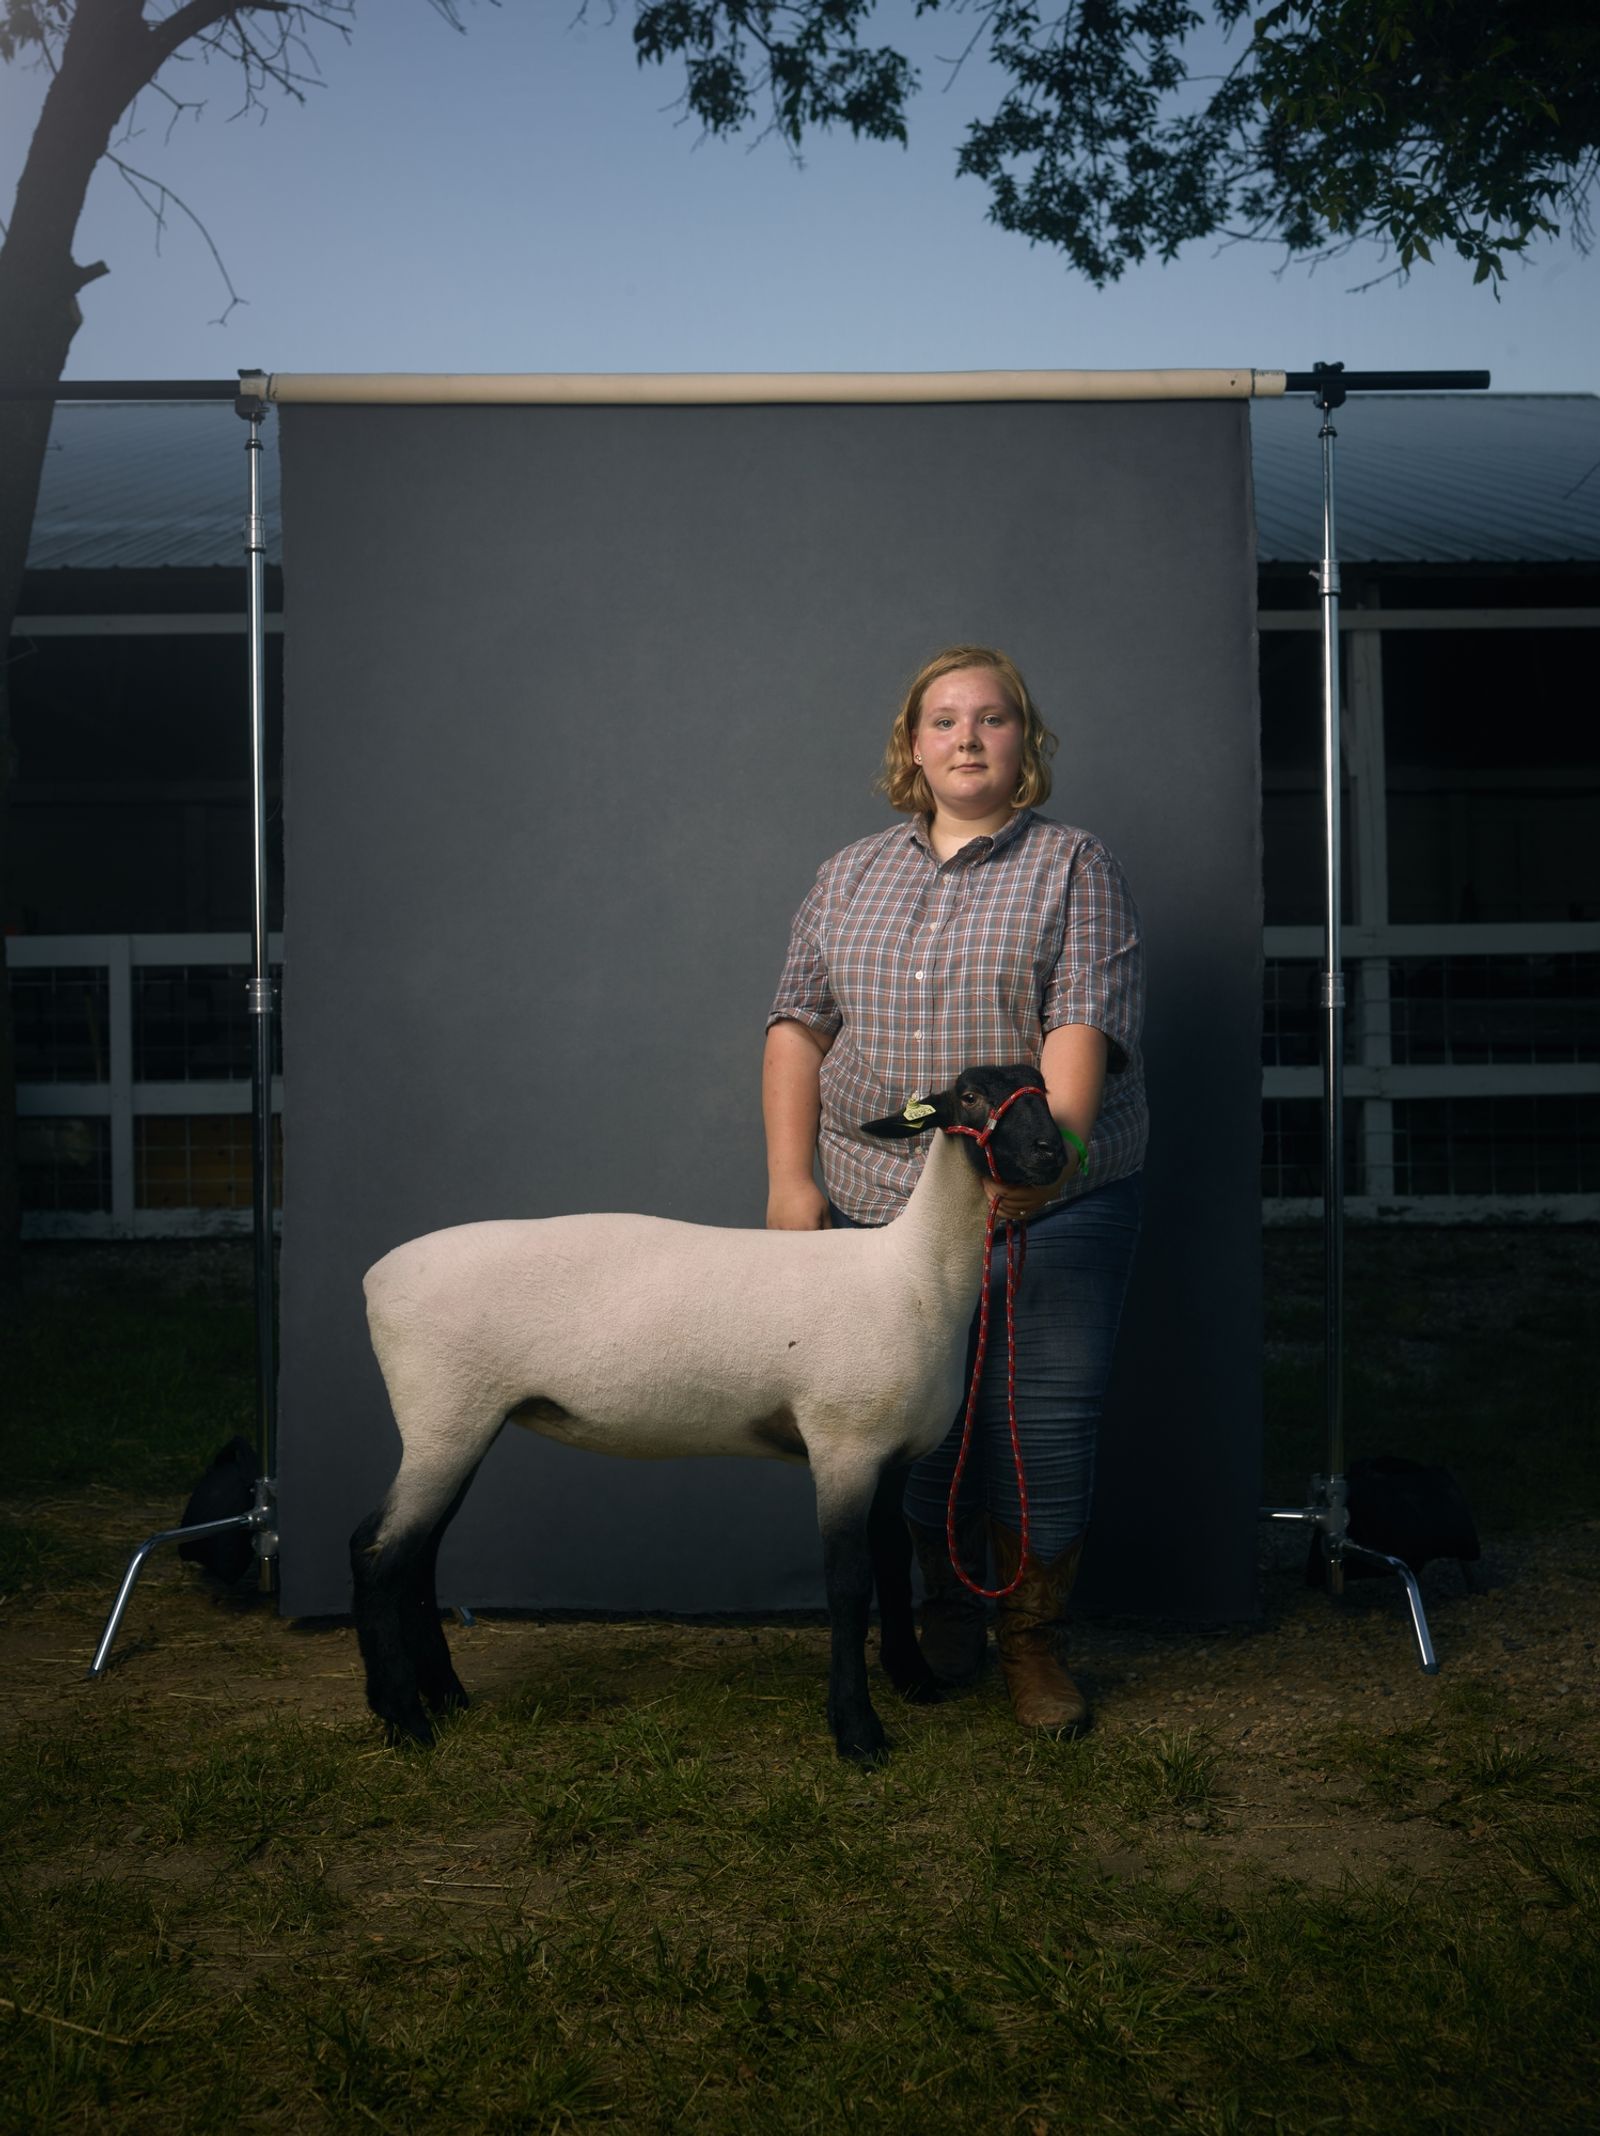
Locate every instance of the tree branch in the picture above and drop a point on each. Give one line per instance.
(200, 15)
(137, 181)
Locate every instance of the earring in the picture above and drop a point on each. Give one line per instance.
(916, 760)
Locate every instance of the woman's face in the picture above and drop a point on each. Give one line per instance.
(968, 740)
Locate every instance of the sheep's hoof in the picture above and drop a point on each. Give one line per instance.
(866, 1743)
(867, 1761)
(412, 1728)
(921, 1691)
(911, 1676)
(449, 1696)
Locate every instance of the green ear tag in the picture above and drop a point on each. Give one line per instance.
(916, 1111)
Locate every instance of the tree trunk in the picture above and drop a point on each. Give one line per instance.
(110, 54)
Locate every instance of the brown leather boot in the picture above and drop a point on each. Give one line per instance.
(954, 1621)
(1030, 1623)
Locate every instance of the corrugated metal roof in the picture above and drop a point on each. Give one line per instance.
(161, 482)
(1450, 478)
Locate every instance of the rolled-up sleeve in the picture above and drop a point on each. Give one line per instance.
(804, 995)
(1099, 977)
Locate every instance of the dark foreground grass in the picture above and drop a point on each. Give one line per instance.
(680, 1911)
(634, 1889)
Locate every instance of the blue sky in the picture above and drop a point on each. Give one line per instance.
(523, 198)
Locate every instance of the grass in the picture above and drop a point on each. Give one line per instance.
(632, 1889)
(141, 1396)
(643, 1922)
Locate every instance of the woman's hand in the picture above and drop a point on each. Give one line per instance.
(1072, 1067)
(1014, 1204)
(798, 1205)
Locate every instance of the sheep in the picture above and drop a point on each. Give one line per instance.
(641, 1337)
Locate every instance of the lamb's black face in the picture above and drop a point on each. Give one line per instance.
(1026, 1146)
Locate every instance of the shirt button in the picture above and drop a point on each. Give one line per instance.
(916, 1034)
(919, 975)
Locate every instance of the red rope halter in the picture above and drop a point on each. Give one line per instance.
(1016, 1254)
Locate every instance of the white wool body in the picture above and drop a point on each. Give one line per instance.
(642, 1337)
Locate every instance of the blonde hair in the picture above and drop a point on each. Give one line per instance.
(901, 778)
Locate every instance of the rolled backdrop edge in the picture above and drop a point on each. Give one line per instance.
(751, 388)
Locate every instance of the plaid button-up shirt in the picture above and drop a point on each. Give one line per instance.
(917, 968)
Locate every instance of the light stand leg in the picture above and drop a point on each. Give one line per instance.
(261, 1520)
(102, 1653)
(1419, 1622)
(1328, 1510)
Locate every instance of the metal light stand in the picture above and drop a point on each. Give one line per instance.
(261, 1520)
(1327, 1509)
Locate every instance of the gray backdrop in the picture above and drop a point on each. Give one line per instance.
(577, 700)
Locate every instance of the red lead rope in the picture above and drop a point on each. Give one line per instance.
(1016, 1254)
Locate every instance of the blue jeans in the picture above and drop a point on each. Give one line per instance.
(1068, 1308)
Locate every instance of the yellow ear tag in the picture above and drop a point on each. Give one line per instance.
(915, 1112)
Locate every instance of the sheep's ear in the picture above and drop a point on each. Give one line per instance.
(921, 1115)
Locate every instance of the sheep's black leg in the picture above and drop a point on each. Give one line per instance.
(421, 1628)
(384, 1580)
(847, 1573)
(392, 1559)
(890, 1542)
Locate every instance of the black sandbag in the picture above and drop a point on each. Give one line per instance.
(227, 1488)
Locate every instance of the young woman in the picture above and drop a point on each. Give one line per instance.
(979, 930)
